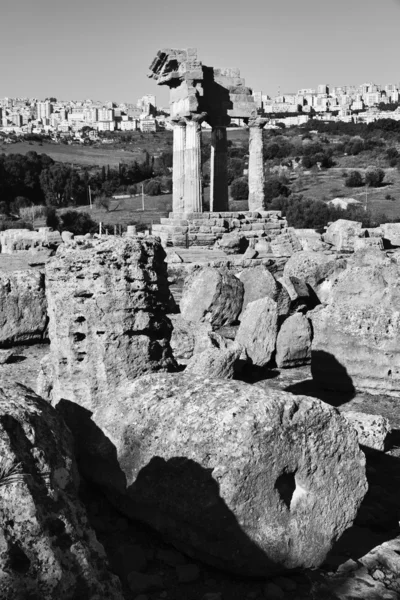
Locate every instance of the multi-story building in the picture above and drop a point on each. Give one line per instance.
(44, 110)
(105, 114)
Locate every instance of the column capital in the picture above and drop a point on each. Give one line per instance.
(258, 122)
(196, 118)
(178, 121)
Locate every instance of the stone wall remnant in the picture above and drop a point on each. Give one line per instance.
(107, 318)
(23, 307)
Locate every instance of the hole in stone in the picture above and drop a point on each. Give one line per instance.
(80, 320)
(286, 485)
(389, 372)
(18, 559)
(78, 337)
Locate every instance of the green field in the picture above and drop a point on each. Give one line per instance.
(97, 155)
(328, 184)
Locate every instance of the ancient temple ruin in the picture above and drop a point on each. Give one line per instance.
(199, 93)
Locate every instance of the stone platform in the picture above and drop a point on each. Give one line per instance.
(206, 228)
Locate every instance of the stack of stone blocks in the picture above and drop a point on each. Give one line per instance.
(16, 240)
(206, 228)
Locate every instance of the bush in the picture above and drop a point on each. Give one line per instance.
(354, 179)
(52, 219)
(374, 176)
(18, 203)
(240, 189)
(392, 153)
(275, 187)
(78, 223)
(152, 187)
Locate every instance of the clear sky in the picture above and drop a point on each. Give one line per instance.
(76, 49)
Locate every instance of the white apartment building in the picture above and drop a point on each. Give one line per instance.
(44, 110)
(105, 114)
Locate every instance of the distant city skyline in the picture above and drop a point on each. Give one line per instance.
(87, 49)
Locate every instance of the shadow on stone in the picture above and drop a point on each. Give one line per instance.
(378, 517)
(96, 455)
(331, 382)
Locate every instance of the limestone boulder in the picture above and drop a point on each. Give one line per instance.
(189, 338)
(212, 295)
(107, 304)
(355, 343)
(258, 330)
(293, 344)
(258, 283)
(373, 430)
(249, 480)
(342, 234)
(317, 269)
(216, 362)
(301, 295)
(286, 244)
(23, 307)
(47, 548)
(233, 243)
(391, 233)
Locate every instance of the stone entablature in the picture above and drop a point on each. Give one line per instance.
(205, 229)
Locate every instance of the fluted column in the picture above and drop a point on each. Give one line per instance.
(256, 164)
(219, 170)
(192, 187)
(178, 166)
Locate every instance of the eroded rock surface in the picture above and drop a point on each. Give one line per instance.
(356, 336)
(47, 548)
(107, 305)
(316, 269)
(258, 330)
(293, 344)
(248, 480)
(23, 307)
(212, 295)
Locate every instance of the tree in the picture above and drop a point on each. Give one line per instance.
(78, 223)
(239, 189)
(354, 179)
(103, 202)
(374, 176)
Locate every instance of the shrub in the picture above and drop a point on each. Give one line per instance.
(392, 153)
(78, 223)
(354, 179)
(275, 187)
(52, 219)
(240, 189)
(152, 187)
(374, 176)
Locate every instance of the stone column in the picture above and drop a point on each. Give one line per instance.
(178, 166)
(219, 170)
(192, 187)
(256, 164)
